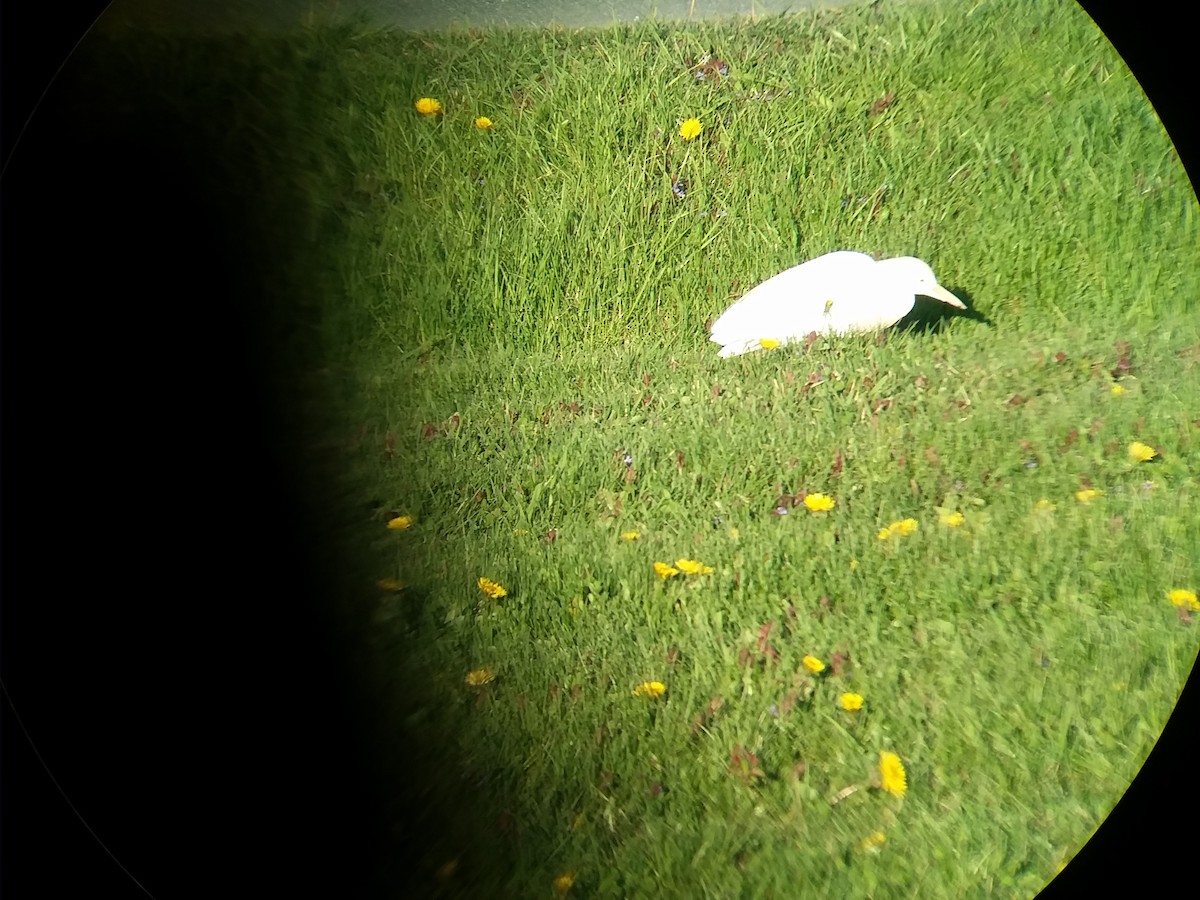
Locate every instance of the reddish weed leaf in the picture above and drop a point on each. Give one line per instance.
(506, 824)
(810, 339)
(454, 421)
(764, 642)
(744, 764)
(551, 536)
(921, 382)
(715, 391)
(881, 104)
(647, 400)
(1096, 425)
(679, 460)
(1016, 400)
(764, 635)
(1191, 354)
(1060, 357)
(646, 379)
(838, 461)
(428, 431)
(672, 656)
(788, 703)
(707, 715)
(1072, 437)
(931, 456)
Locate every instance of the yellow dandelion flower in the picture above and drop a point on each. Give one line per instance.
(874, 841)
(651, 690)
(1044, 506)
(1139, 452)
(478, 677)
(952, 520)
(493, 589)
(891, 774)
(898, 529)
(662, 570)
(768, 343)
(851, 702)
(853, 564)
(401, 522)
(392, 585)
(819, 502)
(693, 567)
(689, 129)
(427, 106)
(813, 664)
(734, 534)
(1117, 390)
(629, 535)
(563, 883)
(1182, 597)
(483, 123)
(1087, 495)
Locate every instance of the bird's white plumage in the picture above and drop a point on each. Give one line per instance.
(841, 292)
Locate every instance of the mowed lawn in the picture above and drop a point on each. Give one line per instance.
(891, 615)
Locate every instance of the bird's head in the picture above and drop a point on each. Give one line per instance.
(916, 274)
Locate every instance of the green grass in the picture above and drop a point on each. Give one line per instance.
(486, 325)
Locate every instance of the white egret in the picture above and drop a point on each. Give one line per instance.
(841, 292)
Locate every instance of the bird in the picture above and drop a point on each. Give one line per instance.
(842, 292)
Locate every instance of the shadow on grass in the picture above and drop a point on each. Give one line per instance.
(930, 316)
(211, 719)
